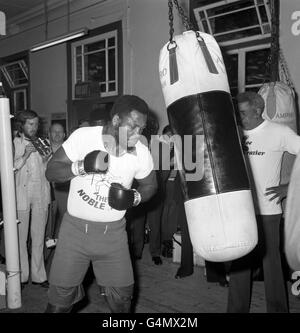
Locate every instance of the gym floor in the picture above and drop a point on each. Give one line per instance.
(157, 292)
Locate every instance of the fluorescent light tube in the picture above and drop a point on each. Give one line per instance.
(60, 39)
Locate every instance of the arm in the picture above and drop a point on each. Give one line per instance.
(59, 167)
(121, 198)
(21, 156)
(290, 141)
(279, 192)
(147, 186)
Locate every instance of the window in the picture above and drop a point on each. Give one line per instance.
(95, 66)
(233, 21)
(246, 68)
(16, 73)
(20, 100)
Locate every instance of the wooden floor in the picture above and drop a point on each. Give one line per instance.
(158, 292)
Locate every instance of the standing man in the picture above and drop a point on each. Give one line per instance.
(59, 195)
(149, 213)
(33, 196)
(101, 162)
(265, 143)
(56, 136)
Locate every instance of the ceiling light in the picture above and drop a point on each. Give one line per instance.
(60, 39)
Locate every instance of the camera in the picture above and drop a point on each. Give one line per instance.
(41, 145)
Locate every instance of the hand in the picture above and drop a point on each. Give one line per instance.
(29, 148)
(121, 198)
(279, 192)
(96, 161)
(46, 156)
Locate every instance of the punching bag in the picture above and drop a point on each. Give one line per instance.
(218, 200)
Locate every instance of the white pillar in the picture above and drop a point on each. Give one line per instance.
(9, 208)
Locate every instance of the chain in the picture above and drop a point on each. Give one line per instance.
(274, 40)
(285, 70)
(185, 20)
(171, 18)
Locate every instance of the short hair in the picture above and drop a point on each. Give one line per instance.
(127, 103)
(167, 129)
(57, 123)
(253, 98)
(23, 115)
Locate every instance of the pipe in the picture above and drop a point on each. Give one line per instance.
(9, 208)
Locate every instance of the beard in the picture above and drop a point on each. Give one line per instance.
(29, 135)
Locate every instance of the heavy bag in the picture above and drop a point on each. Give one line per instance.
(218, 200)
(280, 107)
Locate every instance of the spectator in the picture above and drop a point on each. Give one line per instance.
(265, 143)
(59, 197)
(148, 214)
(33, 196)
(173, 216)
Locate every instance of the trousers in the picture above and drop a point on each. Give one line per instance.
(37, 231)
(268, 249)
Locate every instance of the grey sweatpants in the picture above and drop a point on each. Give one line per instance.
(80, 242)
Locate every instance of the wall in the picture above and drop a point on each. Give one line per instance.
(48, 77)
(290, 39)
(149, 31)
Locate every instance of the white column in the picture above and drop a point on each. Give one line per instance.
(9, 208)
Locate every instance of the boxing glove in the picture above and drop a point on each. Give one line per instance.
(96, 161)
(121, 198)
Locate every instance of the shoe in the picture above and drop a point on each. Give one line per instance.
(157, 260)
(181, 274)
(44, 284)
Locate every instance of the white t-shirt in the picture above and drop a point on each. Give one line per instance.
(266, 144)
(88, 196)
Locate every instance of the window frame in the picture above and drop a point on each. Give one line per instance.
(7, 74)
(205, 8)
(24, 92)
(241, 52)
(104, 36)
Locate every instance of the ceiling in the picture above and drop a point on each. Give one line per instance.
(13, 8)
